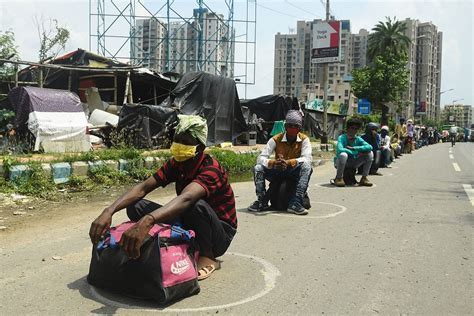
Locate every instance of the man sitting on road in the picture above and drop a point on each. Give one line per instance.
(292, 160)
(396, 146)
(353, 152)
(401, 131)
(373, 138)
(385, 148)
(204, 203)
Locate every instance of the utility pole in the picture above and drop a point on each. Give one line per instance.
(325, 84)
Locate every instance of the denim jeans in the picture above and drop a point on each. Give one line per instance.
(344, 160)
(301, 174)
(386, 154)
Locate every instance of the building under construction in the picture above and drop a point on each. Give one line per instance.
(171, 37)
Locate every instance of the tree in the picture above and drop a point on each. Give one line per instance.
(52, 37)
(8, 50)
(388, 37)
(382, 82)
(386, 77)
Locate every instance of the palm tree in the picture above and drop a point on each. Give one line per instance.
(388, 36)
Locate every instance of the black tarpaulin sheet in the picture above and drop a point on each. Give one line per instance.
(145, 126)
(271, 107)
(214, 98)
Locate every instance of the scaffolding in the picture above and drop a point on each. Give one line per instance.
(169, 35)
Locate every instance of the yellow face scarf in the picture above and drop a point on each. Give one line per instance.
(182, 152)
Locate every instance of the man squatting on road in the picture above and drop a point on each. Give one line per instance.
(352, 152)
(204, 203)
(293, 159)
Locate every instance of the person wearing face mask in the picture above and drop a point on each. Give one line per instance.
(205, 201)
(353, 151)
(385, 147)
(372, 137)
(292, 160)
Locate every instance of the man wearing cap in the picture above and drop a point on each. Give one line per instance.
(292, 160)
(204, 203)
(353, 152)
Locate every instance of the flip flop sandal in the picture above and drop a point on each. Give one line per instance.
(206, 271)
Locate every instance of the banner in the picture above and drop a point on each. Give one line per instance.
(333, 107)
(326, 42)
(420, 108)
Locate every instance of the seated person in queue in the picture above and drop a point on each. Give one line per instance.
(353, 152)
(204, 202)
(372, 137)
(292, 160)
(395, 144)
(385, 148)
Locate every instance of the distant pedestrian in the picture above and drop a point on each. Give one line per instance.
(453, 132)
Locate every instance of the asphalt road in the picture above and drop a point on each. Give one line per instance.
(402, 247)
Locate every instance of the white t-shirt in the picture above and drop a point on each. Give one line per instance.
(453, 130)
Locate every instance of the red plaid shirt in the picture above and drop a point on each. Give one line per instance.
(211, 176)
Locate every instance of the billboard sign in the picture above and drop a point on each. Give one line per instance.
(420, 108)
(333, 107)
(326, 42)
(363, 107)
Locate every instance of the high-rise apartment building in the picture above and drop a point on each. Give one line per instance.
(424, 65)
(358, 50)
(147, 44)
(461, 115)
(296, 75)
(182, 47)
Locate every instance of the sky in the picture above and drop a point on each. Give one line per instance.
(453, 18)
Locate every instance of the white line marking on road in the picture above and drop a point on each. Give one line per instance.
(343, 209)
(451, 157)
(456, 167)
(269, 271)
(470, 192)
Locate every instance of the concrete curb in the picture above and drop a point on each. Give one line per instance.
(62, 172)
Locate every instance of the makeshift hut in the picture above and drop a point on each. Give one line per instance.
(55, 119)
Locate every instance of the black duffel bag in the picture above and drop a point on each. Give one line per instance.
(165, 271)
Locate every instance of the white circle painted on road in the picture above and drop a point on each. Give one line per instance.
(329, 185)
(270, 274)
(342, 210)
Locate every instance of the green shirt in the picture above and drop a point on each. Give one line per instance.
(360, 146)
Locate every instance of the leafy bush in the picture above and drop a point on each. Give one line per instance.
(37, 183)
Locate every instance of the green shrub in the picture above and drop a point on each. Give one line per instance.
(107, 176)
(38, 183)
(235, 163)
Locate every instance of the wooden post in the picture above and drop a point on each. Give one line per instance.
(69, 81)
(16, 75)
(130, 95)
(127, 83)
(40, 77)
(115, 89)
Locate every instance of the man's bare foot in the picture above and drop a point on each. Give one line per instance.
(206, 266)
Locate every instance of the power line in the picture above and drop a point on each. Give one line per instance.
(301, 9)
(279, 12)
